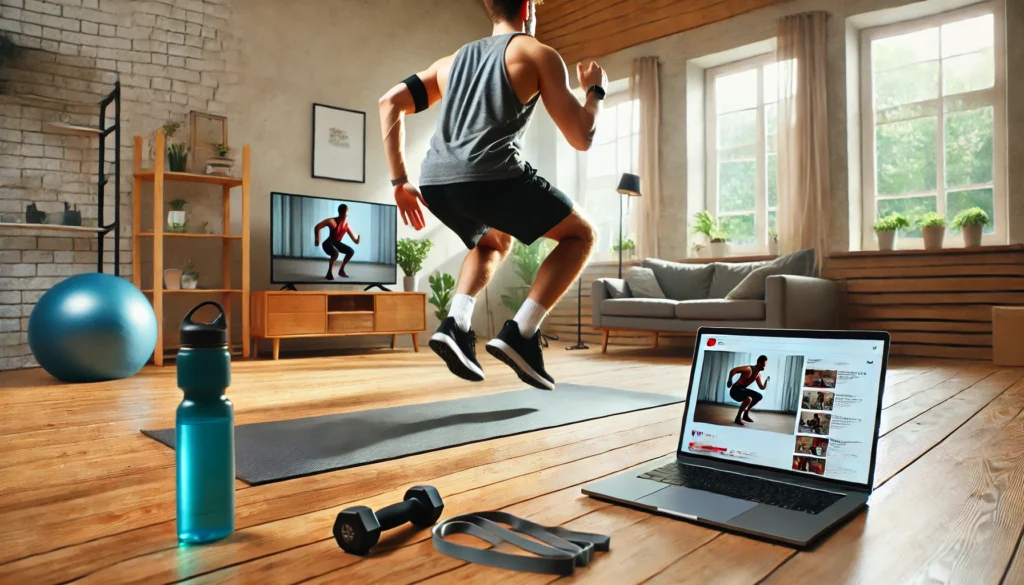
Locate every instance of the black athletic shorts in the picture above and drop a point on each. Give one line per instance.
(332, 247)
(526, 207)
(741, 393)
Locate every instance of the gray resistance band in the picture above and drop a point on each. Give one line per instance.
(563, 550)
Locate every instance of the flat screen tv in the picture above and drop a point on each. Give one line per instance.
(297, 259)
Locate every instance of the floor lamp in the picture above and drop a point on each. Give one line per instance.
(629, 186)
(579, 319)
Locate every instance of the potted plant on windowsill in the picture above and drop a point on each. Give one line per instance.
(719, 242)
(189, 276)
(176, 220)
(773, 242)
(411, 254)
(933, 229)
(971, 222)
(886, 229)
(628, 248)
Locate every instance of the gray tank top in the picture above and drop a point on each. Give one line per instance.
(482, 122)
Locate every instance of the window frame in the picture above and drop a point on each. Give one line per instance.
(999, 131)
(757, 62)
(630, 223)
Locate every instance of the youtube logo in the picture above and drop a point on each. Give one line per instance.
(712, 342)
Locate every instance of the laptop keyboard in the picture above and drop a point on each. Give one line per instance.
(745, 487)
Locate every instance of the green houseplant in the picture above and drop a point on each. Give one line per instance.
(411, 254)
(887, 227)
(527, 260)
(628, 247)
(933, 229)
(442, 290)
(177, 157)
(189, 276)
(971, 222)
(773, 242)
(176, 220)
(221, 164)
(704, 224)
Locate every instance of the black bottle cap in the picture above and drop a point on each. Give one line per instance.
(204, 335)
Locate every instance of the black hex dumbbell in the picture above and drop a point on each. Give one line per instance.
(357, 529)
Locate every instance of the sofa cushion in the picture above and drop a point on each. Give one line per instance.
(752, 286)
(617, 288)
(728, 275)
(657, 308)
(798, 263)
(720, 310)
(681, 282)
(643, 284)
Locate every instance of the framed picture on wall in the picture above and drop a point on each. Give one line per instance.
(339, 144)
(206, 131)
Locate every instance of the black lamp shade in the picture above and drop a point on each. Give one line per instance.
(629, 185)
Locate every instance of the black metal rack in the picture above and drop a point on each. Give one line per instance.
(113, 98)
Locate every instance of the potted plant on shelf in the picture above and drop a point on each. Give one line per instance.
(176, 220)
(628, 248)
(177, 152)
(221, 164)
(442, 290)
(886, 228)
(933, 228)
(971, 222)
(189, 276)
(773, 242)
(411, 254)
(172, 279)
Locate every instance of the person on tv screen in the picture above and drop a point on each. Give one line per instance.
(333, 246)
(740, 391)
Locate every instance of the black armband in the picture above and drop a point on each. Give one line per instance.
(418, 91)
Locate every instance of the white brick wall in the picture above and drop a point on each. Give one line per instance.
(172, 58)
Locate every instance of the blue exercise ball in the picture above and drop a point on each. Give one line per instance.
(92, 328)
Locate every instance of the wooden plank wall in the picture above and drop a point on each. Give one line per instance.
(581, 29)
(934, 303)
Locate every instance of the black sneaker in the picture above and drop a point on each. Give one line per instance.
(458, 349)
(522, 355)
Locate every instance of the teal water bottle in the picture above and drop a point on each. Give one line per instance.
(205, 426)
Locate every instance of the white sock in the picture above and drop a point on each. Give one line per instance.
(529, 318)
(462, 311)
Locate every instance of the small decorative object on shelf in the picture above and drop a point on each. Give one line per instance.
(933, 229)
(221, 164)
(773, 242)
(176, 220)
(972, 223)
(205, 227)
(33, 215)
(172, 279)
(886, 229)
(189, 276)
(411, 254)
(177, 157)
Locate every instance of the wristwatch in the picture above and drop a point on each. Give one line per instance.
(598, 91)
(400, 181)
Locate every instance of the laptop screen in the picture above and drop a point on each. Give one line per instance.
(806, 405)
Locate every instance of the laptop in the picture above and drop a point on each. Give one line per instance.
(779, 437)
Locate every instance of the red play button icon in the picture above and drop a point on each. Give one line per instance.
(711, 342)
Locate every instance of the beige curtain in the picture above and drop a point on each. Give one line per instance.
(804, 198)
(644, 86)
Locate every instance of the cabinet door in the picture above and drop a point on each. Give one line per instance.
(286, 303)
(400, 313)
(285, 324)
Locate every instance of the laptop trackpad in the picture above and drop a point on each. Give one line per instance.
(699, 503)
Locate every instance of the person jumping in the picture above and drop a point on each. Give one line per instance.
(475, 181)
(333, 246)
(740, 391)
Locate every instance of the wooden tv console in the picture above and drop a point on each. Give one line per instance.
(291, 315)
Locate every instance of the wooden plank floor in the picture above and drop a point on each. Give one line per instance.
(84, 497)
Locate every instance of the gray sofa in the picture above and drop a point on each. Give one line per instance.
(695, 296)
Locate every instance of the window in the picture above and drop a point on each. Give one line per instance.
(742, 149)
(614, 151)
(934, 112)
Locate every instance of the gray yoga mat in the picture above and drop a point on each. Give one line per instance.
(275, 451)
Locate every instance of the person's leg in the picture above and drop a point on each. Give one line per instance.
(743, 407)
(755, 397)
(348, 252)
(477, 270)
(328, 248)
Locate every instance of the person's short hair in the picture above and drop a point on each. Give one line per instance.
(762, 359)
(506, 10)
(342, 209)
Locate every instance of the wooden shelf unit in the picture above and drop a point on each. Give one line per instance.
(290, 315)
(159, 176)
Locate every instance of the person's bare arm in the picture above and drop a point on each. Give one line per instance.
(394, 105)
(762, 385)
(353, 235)
(578, 123)
(735, 371)
(316, 231)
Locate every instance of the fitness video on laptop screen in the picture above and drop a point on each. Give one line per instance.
(806, 405)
